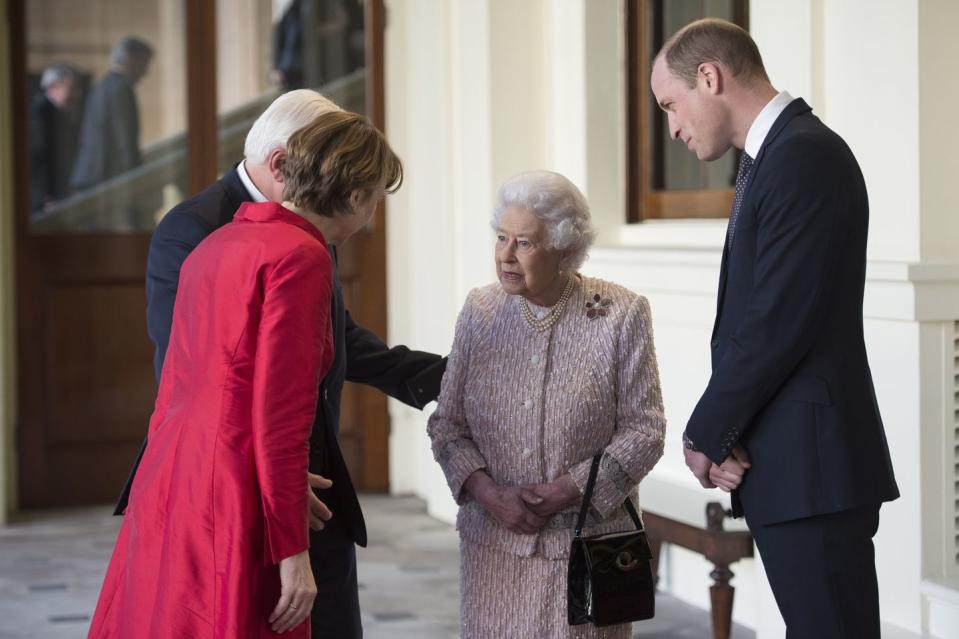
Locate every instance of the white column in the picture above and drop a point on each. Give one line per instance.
(518, 87)
(784, 32)
(871, 88)
(567, 92)
(938, 133)
(473, 160)
(420, 220)
(605, 117)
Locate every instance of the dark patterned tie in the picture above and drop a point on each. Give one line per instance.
(745, 166)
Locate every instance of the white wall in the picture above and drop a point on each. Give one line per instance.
(938, 133)
(481, 89)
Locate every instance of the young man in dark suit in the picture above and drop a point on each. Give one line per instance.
(789, 421)
(412, 377)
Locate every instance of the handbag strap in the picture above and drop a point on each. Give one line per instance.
(588, 497)
(628, 505)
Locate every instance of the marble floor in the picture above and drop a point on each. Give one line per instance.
(52, 563)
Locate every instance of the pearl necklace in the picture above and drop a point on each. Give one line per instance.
(546, 322)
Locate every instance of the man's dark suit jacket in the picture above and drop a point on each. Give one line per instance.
(53, 146)
(412, 377)
(110, 133)
(790, 378)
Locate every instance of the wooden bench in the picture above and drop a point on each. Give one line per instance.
(672, 514)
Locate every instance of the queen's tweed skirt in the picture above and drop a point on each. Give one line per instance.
(506, 596)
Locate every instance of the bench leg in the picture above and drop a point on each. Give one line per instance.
(721, 601)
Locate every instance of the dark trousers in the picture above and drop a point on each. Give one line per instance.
(336, 610)
(823, 573)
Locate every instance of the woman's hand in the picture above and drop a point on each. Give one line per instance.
(546, 500)
(297, 592)
(507, 504)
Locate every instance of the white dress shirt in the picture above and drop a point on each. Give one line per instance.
(248, 183)
(764, 121)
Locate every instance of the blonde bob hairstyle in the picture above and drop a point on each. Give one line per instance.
(336, 154)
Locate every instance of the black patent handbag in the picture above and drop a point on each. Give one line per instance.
(610, 576)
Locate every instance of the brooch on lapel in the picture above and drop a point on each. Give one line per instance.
(598, 307)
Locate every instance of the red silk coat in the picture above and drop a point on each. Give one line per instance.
(220, 496)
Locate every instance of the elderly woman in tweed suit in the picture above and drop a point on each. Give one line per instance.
(548, 368)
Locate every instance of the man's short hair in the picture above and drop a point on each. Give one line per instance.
(713, 40)
(287, 114)
(335, 155)
(130, 49)
(57, 73)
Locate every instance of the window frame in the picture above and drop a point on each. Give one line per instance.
(644, 146)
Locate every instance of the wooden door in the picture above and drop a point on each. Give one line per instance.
(364, 418)
(85, 381)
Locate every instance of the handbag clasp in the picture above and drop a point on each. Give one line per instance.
(625, 561)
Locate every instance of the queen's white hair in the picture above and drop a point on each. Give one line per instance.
(558, 204)
(285, 116)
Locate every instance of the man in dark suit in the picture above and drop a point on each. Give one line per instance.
(288, 47)
(789, 421)
(110, 132)
(53, 116)
(413, 377)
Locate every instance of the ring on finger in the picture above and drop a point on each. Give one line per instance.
(293, 606)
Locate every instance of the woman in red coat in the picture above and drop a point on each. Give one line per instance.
(214, 541)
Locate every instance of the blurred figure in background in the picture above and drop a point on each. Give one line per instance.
(53, 126)
(318, 41)
(288, 48)
(110, 134)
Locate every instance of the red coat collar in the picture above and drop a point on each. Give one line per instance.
(273, 212)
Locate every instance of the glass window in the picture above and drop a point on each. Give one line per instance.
(665, 179)
(266, 47)
(106, 113)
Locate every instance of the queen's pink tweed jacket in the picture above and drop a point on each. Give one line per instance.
(529, 406)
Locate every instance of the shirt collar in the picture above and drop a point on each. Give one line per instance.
(764, 121)
(248, 183)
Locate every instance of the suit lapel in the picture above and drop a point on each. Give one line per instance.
(794, 108)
